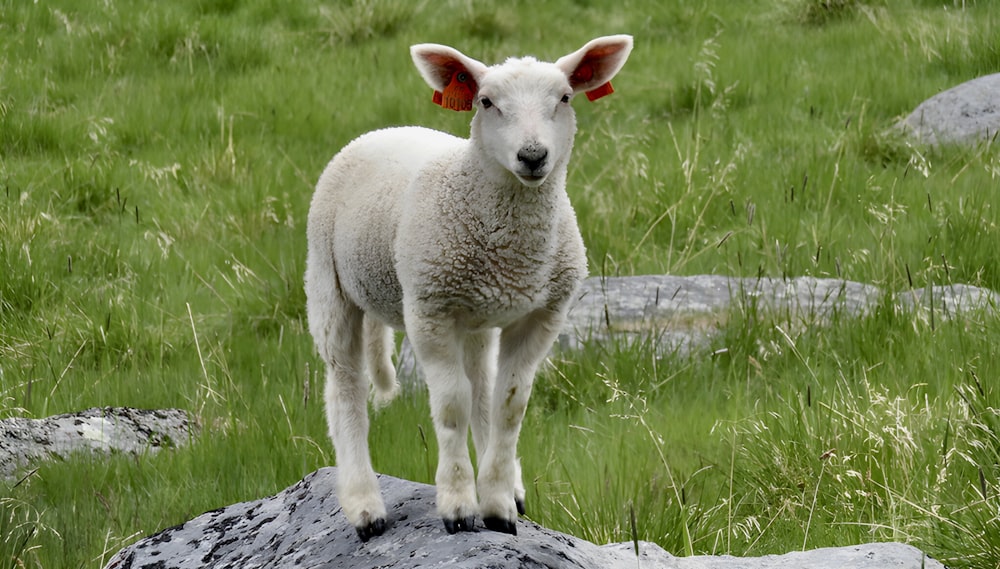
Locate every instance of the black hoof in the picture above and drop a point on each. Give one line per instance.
(501, 525)
(371, 530)
(464, 524)
(520, 506)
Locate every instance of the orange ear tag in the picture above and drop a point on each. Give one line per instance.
(603, 90)
(459, 93)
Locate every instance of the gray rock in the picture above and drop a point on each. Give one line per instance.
(691, 308)
(25, 442)
(683, 313)
(865, 556)
(966, 114)
(949, 300)
(303, 527)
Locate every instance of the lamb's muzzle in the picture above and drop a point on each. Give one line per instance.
(533, 156)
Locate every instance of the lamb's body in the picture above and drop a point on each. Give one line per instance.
(472, 247)
(509, 252)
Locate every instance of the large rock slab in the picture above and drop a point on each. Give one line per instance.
(26, 442)
(966, 114)
(686, 311)
(683, 313)
(303, 527)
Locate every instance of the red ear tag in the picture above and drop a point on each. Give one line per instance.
(459, 93)
(603, 90)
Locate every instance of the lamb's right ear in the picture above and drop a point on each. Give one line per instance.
(453, 76)
(591, 67)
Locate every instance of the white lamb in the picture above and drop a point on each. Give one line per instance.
(473, 248)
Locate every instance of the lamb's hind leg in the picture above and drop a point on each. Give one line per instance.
(357, 486)
(378, 354)
(336, 324)
(523, 346)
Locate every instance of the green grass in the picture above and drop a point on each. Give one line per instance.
(156, 165)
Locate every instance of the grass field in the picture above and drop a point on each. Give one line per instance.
(156, 165)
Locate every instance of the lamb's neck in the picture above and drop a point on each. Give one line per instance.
(489, 187)
(496, 210)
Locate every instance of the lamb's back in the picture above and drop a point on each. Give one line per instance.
(356, 210)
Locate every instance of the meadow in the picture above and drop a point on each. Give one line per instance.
(156, 164)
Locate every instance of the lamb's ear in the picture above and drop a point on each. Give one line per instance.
(591, 67)
(453, 76)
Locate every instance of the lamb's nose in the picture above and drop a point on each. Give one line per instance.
(533, 156)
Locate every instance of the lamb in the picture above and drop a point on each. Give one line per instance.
(471, 247)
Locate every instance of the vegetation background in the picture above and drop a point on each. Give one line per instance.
(156, 164)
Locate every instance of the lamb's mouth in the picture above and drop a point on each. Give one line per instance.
(531, 180)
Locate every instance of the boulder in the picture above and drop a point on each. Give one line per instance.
(966, 114)
(25, 442)
(682, 313)
(303, 527)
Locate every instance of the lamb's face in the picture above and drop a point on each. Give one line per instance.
(524, 121)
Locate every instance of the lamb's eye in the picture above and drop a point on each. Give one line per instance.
(565, 98)
(486, 102)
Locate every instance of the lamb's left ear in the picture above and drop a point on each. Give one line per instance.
(591, 67)
(453, 75)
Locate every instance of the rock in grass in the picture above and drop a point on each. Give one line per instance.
(26, 442)
(303, 527)
(683, 313)
(966, 114)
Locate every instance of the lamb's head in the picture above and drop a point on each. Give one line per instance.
(524, 122)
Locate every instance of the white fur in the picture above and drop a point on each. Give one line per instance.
(473, 248)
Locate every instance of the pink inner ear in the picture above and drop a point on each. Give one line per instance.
(583, 74)
(594, 63)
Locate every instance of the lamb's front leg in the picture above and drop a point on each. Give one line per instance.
(523, 346)
(439, 350)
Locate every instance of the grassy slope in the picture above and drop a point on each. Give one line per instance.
(156, 163)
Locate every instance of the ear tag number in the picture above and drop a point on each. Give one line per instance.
(459, 93)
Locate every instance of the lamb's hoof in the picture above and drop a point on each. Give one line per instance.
(371, 530)
(463, 524)
(519, 504)
(501, 525)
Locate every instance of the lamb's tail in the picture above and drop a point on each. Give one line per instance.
(378, 358)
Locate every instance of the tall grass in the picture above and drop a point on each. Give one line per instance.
(805, 437)
(156, 165)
